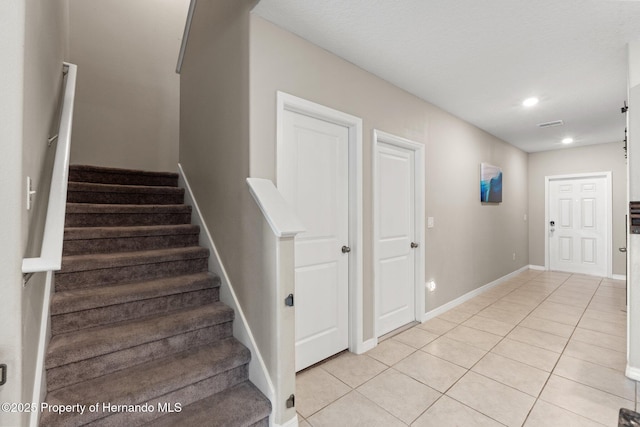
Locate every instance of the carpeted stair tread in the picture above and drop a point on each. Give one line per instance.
(88, 240)
(74, 263)
(147, 381)
(88, 192)
(242, 405)
(81, 233)
(103, 214)
(93, 342)
(88, 298)
(106, 175)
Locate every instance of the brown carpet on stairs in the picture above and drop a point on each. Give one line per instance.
(139, 336)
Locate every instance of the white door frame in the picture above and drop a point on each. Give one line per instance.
(287, 102)
(608, 210)
(419, 214)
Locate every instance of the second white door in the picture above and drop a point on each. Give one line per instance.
(314, 179)
(396, 245)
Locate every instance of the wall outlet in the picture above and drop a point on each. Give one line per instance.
(431, 285)
(514, 256)
(30, 193)
(430, 222)
(525, 217)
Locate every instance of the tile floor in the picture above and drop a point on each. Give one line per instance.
(541, 349)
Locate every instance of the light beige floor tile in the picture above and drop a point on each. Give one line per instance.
(390, 352)
(557, 315)
(474, 337)
(437, 326)
(538, 339)
(354, 410)
(533, 356)
(399, 394)
(619, 317)
(353, 369)
(476, 304)
(528, 300)
(455, 315)
(548, 326)
(415, 337)
(455, 351)
(489, 325)
(511, 306)
(594, 404)
(303, 423)
(562, 308)
(607, 308)
(596, 376)
(601, 340)
(315, 389)
(430, 370)
(572, 300)
(515, 374)
(450, 413)
(604, 327)
(594, 354)
(498, 401)
(502, 315)
(605, 300)
(545, 414)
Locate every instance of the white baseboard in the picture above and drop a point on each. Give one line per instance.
(619, 277)
(474, 293)
(632, 373)
(258, 373)
(537, 267)
(368, 345)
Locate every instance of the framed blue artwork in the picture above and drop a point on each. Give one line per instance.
(490, 183)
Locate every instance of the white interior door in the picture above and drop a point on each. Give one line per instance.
(314, 179)
(578, 225)
(396, 242)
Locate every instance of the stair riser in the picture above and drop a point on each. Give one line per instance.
(134, 310)
(184, 396)
(125, 198)
(121, 178)
(124, 219)
(134, 273)
(128, 244)
(87, 369)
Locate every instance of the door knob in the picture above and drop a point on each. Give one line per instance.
(346, 249)
(414, 245)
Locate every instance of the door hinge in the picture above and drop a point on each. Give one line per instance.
(291, 401)
(3, 374)
(288, 301)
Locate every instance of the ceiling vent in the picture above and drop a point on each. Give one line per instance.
(550, 124)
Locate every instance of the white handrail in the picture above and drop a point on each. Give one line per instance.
(185, 35)
(50, 258)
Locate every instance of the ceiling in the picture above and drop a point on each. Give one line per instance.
(480, 59)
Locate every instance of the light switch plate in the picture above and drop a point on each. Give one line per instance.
(430, 222)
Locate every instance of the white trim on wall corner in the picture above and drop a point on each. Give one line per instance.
(619, 277)
(293, 422)
(258, 373)
(474, 293)
(632, 373)
(537, 267)
(369, 345)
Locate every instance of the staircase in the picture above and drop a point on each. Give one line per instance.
(137, 326)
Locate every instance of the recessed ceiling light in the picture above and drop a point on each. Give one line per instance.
(530, 102)
(567, 140)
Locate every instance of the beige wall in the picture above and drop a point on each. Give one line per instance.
(45, 49)
(12, 27)
(127, 106)
(32, 40)
(471, 244)
(594, 158)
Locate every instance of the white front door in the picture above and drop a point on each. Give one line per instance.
(578, 225)
(314, 179)
(395, 233)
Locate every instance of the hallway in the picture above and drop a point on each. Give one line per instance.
(541, 349)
